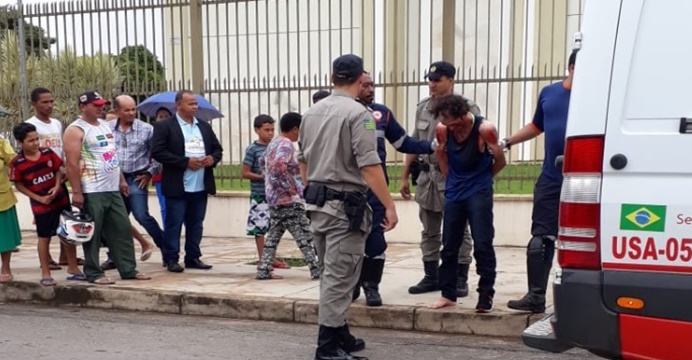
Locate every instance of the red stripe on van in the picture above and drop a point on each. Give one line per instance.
(646, 338)
(645, 267)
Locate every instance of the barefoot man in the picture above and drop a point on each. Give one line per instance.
(469, 156)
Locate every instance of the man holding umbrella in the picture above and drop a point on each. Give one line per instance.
(188, 149)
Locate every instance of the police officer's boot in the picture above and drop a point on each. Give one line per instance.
(371, 281)
(462, 280)
(538, 272)
(429, 282)
(349, 342)
(329, 345)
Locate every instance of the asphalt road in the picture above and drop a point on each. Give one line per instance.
(32, 332)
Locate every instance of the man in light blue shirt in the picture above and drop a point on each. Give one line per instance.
(194, 148)
(188, 149)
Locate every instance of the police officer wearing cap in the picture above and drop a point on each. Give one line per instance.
(431, 185)
(338, 145)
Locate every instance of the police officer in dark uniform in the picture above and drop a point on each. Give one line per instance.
(338, 146)
(386, 128)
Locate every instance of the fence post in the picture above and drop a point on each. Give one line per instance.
(22, 60)
(196, 46)
(448, 30)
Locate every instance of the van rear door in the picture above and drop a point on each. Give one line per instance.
(646, 213)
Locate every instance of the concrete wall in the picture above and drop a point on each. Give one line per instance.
(227, 215)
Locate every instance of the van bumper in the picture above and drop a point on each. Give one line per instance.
(581, 319)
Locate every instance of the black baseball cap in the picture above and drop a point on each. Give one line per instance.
(319, 95)
(92, 97)
(347, 67)
(440, 69)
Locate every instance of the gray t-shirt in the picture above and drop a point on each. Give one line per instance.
(253, 154)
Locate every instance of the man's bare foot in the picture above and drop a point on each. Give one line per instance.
(443, 302)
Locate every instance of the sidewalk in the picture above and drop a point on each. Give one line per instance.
(230, 290)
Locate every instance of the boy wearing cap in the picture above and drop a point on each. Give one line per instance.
(339, 148)
(430, 186)
(94, 172)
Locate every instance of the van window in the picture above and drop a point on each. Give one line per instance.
(661, 64)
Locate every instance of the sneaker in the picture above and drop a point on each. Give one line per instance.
(485, 303)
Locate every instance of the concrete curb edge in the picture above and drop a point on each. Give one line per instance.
(241, 307)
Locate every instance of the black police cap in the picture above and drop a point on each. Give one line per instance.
(347, 67)
(440, 69)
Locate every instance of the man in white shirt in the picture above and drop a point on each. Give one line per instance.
(50, 136)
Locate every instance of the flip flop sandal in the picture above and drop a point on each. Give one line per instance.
(48, 281)
(146, 255)
(139, 276)
(52, 265)
(77, 277)
(5, 278)
(104, 280)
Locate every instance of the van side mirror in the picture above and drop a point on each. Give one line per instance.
(559, 161)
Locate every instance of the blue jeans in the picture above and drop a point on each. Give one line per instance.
(162, 201)
(138, 204)
(478, 210)
(190, 210)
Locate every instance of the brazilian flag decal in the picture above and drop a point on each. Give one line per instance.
(643, 217)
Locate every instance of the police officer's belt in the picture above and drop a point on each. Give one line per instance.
(426, 167)
(355, 203)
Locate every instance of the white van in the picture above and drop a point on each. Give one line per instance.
(623, 288)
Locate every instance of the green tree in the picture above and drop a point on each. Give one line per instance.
(66, 74)
(143, 73)
(34, 36)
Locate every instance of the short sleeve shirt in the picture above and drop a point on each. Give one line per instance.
(253, 154)
(551, 119)
(337, 138)
(49, 135)
(39, 176)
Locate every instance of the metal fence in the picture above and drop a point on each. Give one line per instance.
(269, 56)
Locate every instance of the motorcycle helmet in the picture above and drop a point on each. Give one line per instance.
(75, 227)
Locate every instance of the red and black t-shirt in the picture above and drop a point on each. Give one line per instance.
(39, 176)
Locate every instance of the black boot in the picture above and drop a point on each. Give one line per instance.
(371, 281)
(329, 345)
(462, 280)
(349, 342)
(538, 273)
(429, 282)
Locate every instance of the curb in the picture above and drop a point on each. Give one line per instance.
(394, 317)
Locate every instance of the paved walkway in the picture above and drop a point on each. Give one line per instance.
(233, 275)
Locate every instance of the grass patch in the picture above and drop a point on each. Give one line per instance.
(514, 179)
(291, 261)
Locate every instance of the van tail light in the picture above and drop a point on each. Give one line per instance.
(580, 204)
